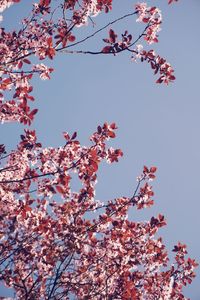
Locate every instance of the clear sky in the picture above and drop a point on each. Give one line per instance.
(158, 125)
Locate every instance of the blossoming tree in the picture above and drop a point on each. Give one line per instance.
(57, 243)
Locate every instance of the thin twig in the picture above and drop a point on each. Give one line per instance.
(99, 30)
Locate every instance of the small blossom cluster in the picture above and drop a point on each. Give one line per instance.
(90, 8)
(158, 64)
(43, 70)
(153, 18)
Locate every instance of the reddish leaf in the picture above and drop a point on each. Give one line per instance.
(71, 38)
(74, 135)
(107, 49)
(60, 189)
(112, 36)
(27, 61)
(153, 169)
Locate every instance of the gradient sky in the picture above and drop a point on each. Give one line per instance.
(158, 125)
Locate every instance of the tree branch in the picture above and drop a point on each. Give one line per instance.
(99, 30)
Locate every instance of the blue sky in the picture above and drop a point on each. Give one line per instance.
(158, 125)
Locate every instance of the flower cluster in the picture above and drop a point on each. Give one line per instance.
(58, 241)
(158, 64)
(43, 70)
(153, 18)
